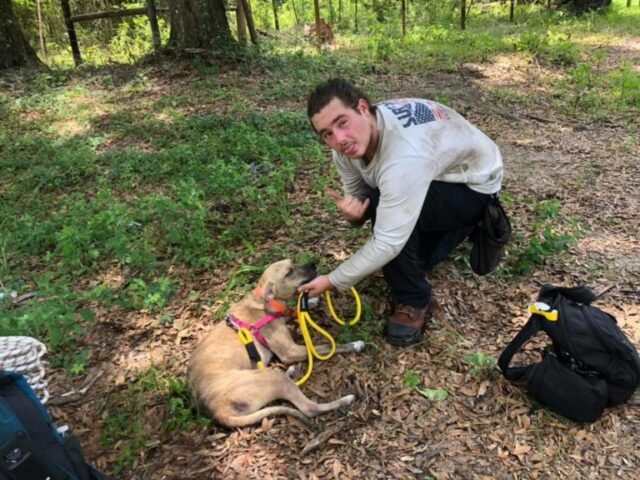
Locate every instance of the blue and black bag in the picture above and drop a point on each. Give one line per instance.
(31, 448)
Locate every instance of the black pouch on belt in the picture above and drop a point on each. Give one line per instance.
(491, 235)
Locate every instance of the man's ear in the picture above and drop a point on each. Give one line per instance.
(363, 106)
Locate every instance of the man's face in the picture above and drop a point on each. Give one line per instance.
(344, 129)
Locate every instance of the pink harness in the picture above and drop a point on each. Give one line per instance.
(237, 324)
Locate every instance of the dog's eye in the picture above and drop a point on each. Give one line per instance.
(289, 273)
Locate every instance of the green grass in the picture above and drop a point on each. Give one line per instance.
(181, 190)
(482, 365)
(413, 381)
(99, 170)
(546, 238)
(127, 428)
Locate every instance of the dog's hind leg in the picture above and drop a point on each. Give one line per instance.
(261, 387)
(255, 417)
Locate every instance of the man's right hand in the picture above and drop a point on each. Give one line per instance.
(351, 207)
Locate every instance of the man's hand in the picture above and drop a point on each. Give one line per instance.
(351, 207)
(316, 286)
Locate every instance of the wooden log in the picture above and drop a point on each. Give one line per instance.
(66, 12)
(84, 17)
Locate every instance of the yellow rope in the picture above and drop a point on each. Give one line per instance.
(356, 317)
(305, 321)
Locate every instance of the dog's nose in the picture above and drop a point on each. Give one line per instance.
(310, 270)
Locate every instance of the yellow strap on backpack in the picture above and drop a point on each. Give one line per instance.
(541, 308)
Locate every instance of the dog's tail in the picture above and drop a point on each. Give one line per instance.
(255, 417)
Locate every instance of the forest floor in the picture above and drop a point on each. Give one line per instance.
(486, 428)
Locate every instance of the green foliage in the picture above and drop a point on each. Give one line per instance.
(182, 408)
(128, 429)
(553, 48)
(77, 363)
(592, 89)
(223, 169)
(547, 210)
(54, 315)
(624, 86)
(152, 296)
(133, 39)
(367, 329)
(434, 394)
(413, 381)
(549, 236)
(482, 365)
(547, 242)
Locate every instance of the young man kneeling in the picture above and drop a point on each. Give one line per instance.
(421, 172)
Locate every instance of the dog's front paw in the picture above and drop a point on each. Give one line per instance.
(358, 346)
(294, 372)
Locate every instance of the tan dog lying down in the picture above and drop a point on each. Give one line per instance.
(229, 385)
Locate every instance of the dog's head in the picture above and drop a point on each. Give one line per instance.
(280, 281)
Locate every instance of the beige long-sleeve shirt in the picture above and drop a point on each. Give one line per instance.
(419, 141)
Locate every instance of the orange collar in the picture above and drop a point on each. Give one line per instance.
(275, 305)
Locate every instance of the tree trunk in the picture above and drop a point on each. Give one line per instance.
(200, 24)
(274, 3)
(295, 12)
(356, 16)
(316, 13)
(248, 15)
(43, 44)
(15, 51)
(153, 21)
(241, 23)
(378, 9)
(463, 14)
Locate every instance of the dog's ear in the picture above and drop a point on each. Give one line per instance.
(269, 294)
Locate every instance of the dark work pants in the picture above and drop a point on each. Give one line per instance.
(449, 213)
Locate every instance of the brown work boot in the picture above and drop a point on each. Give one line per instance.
(406, 325)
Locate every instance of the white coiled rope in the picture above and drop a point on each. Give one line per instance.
(23, 355)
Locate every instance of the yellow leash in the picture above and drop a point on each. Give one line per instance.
(306, 321)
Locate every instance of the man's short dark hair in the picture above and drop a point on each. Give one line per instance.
(336, 88)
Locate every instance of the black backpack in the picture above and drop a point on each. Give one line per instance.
(590, 364)
(31, 447)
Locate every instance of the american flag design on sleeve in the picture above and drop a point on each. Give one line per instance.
(415, 112)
